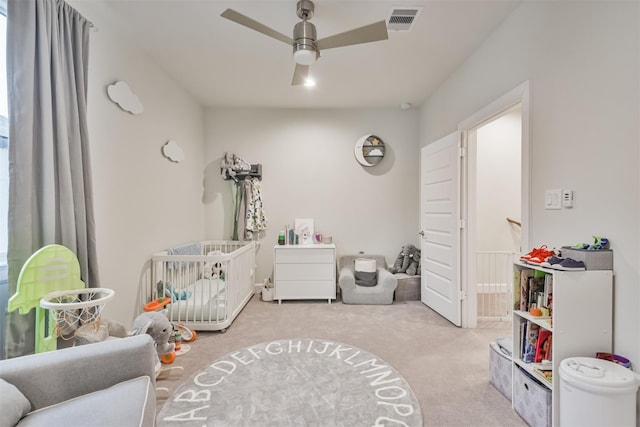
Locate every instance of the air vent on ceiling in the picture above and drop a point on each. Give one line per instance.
(402, 18)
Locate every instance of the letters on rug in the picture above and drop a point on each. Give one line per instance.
(294, 382)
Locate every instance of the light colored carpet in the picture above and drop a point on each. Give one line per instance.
(294, 382)
(446, 367)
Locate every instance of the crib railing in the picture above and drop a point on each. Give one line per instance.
(208, 290)
(494, 278)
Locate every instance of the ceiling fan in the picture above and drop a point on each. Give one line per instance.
(306, 47)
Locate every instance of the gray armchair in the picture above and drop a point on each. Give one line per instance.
(382, 293)
(110, 383)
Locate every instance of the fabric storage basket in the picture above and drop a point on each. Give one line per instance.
(365, 272)
(408, 288)
(500, 373)
(601, 259)
(365, 265)
(531, 400)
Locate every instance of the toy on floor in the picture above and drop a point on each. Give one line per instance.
(186, 334)
(92, 333)
(62, 313)
(180, 333)
(157, 325)
(76, 314)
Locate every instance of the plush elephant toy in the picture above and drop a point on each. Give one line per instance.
(414, 264)
(157, 325)
(409, 257)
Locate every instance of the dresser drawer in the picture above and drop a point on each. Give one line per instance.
(305, 289)
(306, 256)
(305, 272)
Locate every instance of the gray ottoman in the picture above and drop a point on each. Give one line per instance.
(408, 287)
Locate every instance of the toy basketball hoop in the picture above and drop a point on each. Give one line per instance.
(74, 308)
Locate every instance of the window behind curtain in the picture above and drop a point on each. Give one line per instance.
(4, 171)
(4, 141)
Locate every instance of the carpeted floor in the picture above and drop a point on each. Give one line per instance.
(446, 367)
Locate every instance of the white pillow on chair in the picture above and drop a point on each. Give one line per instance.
(13, 404)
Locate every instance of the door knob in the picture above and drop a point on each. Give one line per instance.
(421, 233)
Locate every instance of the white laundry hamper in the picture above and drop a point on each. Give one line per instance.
(596, 392)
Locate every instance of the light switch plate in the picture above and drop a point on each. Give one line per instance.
(553, 199)
(567, 198)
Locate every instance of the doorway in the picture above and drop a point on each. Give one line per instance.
(495, 204)
(455, 204)
(495, 150)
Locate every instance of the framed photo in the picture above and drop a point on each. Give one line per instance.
(304, 230)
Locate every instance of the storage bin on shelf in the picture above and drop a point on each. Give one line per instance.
(531, 399)
(601, 259)
(500, 372)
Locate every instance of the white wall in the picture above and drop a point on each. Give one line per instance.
(582, 59)
(309, 171)
(143, 202)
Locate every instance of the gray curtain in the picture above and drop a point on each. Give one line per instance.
(50, 195)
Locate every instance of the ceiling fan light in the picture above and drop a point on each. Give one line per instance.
(304, 57)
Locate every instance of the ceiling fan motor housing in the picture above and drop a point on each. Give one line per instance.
(304, 9)
(304, 43)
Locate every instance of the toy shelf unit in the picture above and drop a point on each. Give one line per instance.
(305, 272)
(579, 324)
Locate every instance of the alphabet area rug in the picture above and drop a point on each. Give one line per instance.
(294, 382)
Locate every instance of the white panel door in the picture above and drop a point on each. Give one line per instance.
(440, 189)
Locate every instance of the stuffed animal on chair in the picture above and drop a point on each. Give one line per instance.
(157, 325)
(405, 258)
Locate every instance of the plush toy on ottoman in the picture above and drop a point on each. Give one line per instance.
(408, 261)
(407, 271)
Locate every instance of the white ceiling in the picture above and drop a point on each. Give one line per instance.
(224, 64)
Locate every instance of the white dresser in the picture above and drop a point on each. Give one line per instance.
(304, 272)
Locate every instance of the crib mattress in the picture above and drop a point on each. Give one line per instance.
(203, 300)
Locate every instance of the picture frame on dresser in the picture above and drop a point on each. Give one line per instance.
(304, 228)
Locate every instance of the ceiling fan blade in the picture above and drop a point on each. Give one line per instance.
(369, 33)
(239, 18)
(300, 75)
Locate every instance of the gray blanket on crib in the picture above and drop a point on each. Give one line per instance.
(190, 249)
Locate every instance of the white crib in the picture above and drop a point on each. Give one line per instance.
(494, 278)
(209, 282)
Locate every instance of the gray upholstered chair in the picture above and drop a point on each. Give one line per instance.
(110, 383)
(382, 293)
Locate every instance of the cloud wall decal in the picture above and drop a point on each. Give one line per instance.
(121, 94)
(173, 151)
